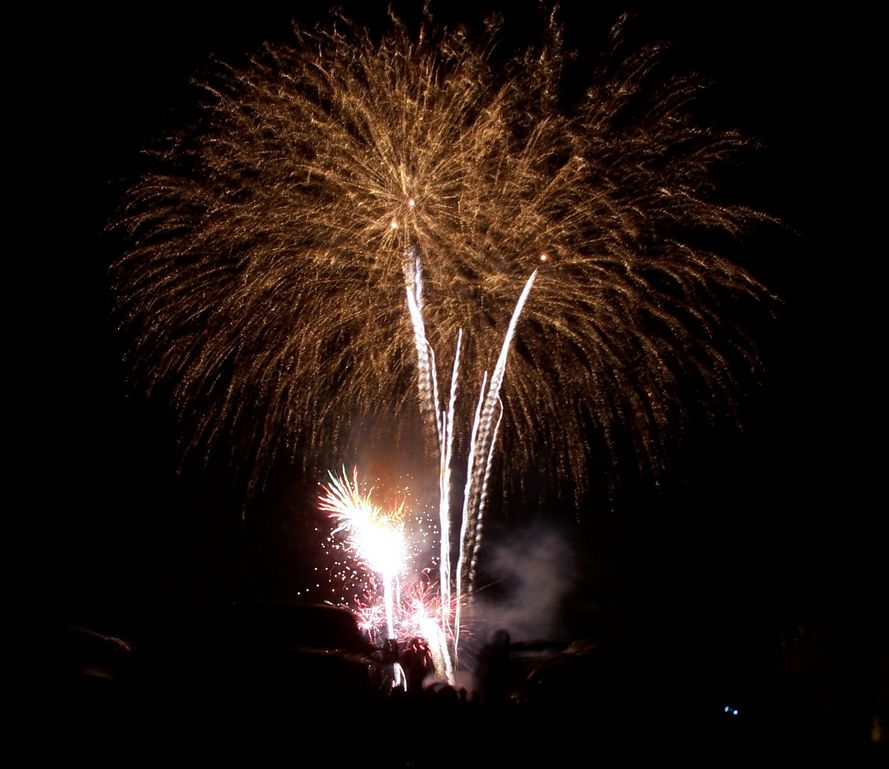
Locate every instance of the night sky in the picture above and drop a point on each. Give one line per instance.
(750, 533)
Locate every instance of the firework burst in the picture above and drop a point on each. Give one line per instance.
(375, 536)
(264, 275)
(377, 540)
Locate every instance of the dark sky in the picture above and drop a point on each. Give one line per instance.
(777, 521)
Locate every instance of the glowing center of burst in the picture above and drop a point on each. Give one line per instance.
(376, 537)
(380, 542)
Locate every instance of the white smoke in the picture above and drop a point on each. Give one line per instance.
(534, 570)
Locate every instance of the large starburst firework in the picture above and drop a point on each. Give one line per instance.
(264, 272)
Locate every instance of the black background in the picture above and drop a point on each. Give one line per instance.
(756, 531)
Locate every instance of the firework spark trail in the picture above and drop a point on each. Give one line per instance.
(482, 503)
(268, 245)
(427, 384)
(427, 379)
(464, 521)
(480, 468)
(389, 587)
(481, 451)
(444, 518)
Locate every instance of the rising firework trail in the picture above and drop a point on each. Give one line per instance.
(269, 243)
(376, 538)
(427, 381)
(484, 438)
(446, 451)
(481, 448)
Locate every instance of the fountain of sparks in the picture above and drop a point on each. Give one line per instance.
(374, 536)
